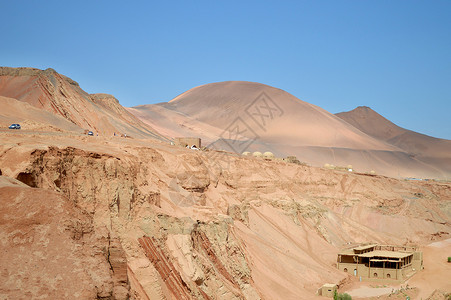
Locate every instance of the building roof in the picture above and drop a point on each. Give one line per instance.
(382, 253)
(382, 260)
(329, 285)
(364, 247)
(347, 252)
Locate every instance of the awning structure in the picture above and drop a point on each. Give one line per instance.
(364, 247)
(384, 260)
(388, 254)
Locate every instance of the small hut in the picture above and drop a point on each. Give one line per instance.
(327, 290)
(187, 142)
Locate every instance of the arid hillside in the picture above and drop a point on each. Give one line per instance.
(239, 116)
(425, 148)
(108, 217)
(269, 113)
(32, 118)
(60, 95)
(174, 223)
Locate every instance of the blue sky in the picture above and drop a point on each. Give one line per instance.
(394, 56)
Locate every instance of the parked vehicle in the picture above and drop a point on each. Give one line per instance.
(90, 133)
(14, 126)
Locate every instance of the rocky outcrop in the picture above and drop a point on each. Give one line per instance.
(177, 287)
(50, 248)
(253, 228)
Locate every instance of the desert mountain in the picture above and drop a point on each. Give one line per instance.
(426, 148)
(242, 116)
(373, 124)
(62, 96)
(173, 124)
(270, 114)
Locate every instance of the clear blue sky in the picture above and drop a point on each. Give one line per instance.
(394, 56)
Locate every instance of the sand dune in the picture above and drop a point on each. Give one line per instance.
(273, 114)
(373, 124)
(430, 150)
(174, 124)
(246, 116)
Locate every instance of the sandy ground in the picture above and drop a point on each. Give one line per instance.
(437, 271)
(369, 291)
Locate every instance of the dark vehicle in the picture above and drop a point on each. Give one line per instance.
(90, 133)
(14, 126)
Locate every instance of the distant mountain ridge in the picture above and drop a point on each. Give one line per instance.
(428, 149)
(373, 124)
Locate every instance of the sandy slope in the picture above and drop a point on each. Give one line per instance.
(370, 122)
(432, 278)
(284, 119)
(32, 118)
(62, 96)
(431, 151)
(273, 120)
(175, 124)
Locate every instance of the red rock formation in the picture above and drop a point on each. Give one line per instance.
(201, 239)
(166, 269)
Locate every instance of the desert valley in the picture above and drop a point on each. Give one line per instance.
(126, 213)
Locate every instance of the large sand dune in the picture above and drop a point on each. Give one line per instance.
(274, 115)
(241, 116)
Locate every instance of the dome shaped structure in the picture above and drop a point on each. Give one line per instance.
(257, 154)
(268, 155)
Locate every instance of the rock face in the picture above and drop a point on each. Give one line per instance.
(161, 222)
(50, 248)
(58, 94)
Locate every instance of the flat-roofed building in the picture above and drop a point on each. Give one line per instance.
(327, 290)
(188, 142)
(376, 262)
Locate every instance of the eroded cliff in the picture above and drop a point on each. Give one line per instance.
(156, 221)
